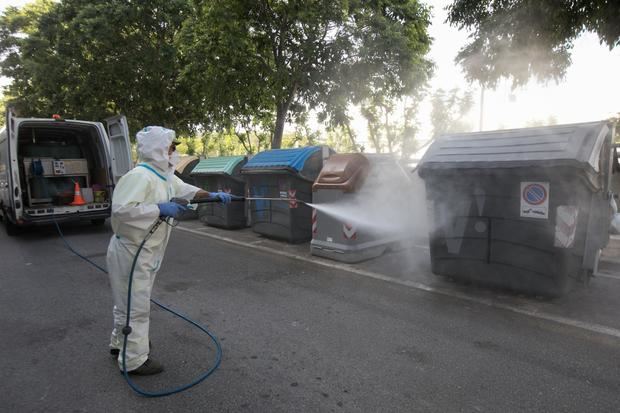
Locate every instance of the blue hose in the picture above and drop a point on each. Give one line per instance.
(127, 328)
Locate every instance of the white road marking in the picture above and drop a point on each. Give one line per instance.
(534, 313)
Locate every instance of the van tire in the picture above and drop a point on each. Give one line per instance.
(98, 222)
(11, 228)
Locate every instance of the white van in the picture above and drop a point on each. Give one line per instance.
(41, 160)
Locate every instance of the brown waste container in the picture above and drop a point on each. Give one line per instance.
(343, 181)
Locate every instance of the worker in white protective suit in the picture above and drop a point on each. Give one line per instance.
(140, 198)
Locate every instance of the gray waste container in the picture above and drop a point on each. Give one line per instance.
(289, 174)
(222, 174)
(527, 209)
(351, 180)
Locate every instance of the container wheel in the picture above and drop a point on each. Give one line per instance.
(98, 222)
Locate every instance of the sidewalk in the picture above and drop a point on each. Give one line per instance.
(593, 307)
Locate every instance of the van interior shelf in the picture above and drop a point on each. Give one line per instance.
(50, 180)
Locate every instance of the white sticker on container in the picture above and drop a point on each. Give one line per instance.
(349, 231)
(535, 200)
(565, 226)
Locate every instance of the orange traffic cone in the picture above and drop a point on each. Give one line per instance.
(77, 197)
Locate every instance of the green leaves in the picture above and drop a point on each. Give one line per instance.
(520, 39)
(284, 57)
(93, 59)
(448, 110)
(241, 67)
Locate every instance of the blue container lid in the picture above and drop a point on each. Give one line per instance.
(282, 158)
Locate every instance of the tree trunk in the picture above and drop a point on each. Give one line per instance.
(388, 134)
(242, 138)
(351, 136)
(205, 145)
(282, 110)
(373, 135)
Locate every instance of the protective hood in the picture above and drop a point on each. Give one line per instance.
(153, 144)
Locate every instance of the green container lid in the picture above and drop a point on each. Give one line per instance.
(220, 165)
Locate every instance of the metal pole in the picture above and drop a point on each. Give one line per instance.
(275, 199)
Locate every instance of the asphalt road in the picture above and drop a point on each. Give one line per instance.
(296, 338)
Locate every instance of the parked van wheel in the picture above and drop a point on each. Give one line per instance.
(98, 222)
(11, 228)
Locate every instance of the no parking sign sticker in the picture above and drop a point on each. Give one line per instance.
(535, 200)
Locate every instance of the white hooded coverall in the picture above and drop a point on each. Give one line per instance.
(134, 211)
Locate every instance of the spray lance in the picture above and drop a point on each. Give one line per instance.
(279, 199)
(235, 198)
(190, 204)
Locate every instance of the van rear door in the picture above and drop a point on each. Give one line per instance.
(120, 149)
(13, 184)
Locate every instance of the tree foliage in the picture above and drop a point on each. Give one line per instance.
(392, 123)
(551, 120)
(276, 58)
(215, 69)
(91, 59)
(449, 110)
(520, 39)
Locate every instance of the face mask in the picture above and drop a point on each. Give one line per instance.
(174, 159)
